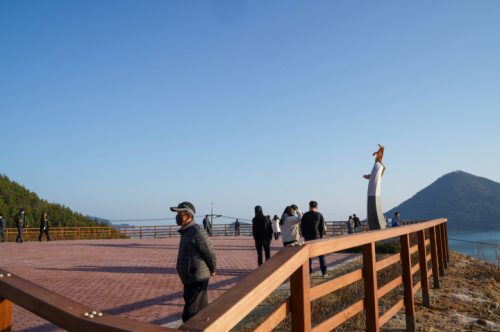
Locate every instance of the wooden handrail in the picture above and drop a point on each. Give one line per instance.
(232, 306)
(291, 262)
(126, 232)
(64, 312)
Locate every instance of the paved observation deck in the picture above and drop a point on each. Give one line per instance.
(134, 279)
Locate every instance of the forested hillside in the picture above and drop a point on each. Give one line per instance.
(469, 202)
(13, 196)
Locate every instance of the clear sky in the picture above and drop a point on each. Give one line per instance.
(121, 109)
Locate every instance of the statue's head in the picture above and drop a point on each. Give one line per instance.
(379, 153)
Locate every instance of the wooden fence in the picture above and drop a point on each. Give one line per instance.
(145, 232)
(291, 262)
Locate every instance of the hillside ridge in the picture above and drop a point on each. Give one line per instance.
(469, 202)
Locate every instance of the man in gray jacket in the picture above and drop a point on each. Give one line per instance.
(21, 222)
(3, 225)
(196, 261)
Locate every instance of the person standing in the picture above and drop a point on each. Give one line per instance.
(3, 226)
(395, 220)
(262, 234)
(276, 227)
(237, 227)
(206, 224)
(350, 225)
(290, 226)
(313, 228)
(357, 223)
(44, 227)
(196, 260)
(21, 222)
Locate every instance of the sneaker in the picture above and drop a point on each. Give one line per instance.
(326, 275)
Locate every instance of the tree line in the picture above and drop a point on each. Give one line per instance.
(14, 196)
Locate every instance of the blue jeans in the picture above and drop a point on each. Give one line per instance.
(355, 229)
(3, 235)
(322, 261)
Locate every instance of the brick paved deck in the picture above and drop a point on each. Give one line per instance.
(130, 278)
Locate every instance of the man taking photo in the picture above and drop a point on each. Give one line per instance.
(196, 261)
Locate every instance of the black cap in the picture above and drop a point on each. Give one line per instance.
(22, 209)
(185, 206)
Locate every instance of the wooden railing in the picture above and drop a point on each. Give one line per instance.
(293, 262)
(59, 310)
(145, 232)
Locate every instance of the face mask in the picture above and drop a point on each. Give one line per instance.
(22, 212)
(178, 219)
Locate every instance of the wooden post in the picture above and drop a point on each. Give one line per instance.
(5, 315)
(140, 232)
(371, 298)
(445, 249)
(445, 225)
(434, 257)
(300, 299)
(424, 273)
(408, 283)
(440, 245)
(155, 232)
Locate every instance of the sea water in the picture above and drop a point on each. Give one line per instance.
(471, 249)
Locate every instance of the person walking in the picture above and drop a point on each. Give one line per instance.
(196, 260)
(276, 227)
(357, 223)
(3, 226)
(21, 223)
(313, 228)
(44, 227)
(290, 225)
(350, 225)
(395, 220)
(206, 224)
(237, 227)
(262, 234)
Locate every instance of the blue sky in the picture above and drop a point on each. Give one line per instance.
(120, 109)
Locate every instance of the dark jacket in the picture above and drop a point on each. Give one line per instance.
(313, 225)
(44, 222)
(20, 220)
(357, 223)
(237, 225)
(262, 229)
(196, 257)
(206, 224)
(3, 224)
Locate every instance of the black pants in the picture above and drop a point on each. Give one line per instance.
(46, 231)
(267, 250)
(236, 231)
(195, 298)
(20, 234)
(277, 235)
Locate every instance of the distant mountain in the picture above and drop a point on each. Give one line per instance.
(469, 202)
(14, 196)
